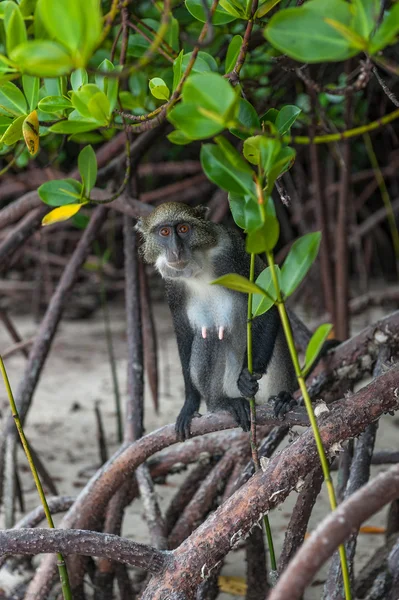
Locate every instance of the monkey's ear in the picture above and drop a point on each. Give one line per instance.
(201, 211)
(140, 225)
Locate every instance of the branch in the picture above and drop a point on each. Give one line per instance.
(86, 543)
(333, 530)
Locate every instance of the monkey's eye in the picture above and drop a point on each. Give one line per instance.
(184, 228)
(164, 231)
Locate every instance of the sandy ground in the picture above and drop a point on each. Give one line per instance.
(61, 424)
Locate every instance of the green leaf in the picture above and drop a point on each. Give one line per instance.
(159, 89)
(56, 87)
(75, 24)
(247, 117)
(79, 77)
(14, 132)
(179, 138)
(232, 53)
(192, 124)
(238, 283)
(5, 122)
(265, 7)
(300, 258)
(264, 238)
(177, 69)
(73, 126)
(42, 58)
(286, 117)
(59, 192)
(261, 304)
(245, 210)
(210, 91)
(349, 34)
(235, 159)
(262, 151)
(196, 8)
(108, 85)
(87, 164)
(387, 31)
(100, 108)
(200, 66)
(365, 17)
(315, 345)
(91, 102)
(231, 7)
(270, 116)
(303, 34)
(12, 100)
(219, 169)
(281, 164)
(31, 90)
(54, 104)
(14, 26)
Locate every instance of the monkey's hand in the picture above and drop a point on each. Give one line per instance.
(248, 383)
(283, 403)
(184, 419)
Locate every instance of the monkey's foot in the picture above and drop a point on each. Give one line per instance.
(248, 383)
(239, 408)
(183, 423)
(283, 403)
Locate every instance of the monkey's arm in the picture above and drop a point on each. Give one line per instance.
(184, 336)
(264, 334)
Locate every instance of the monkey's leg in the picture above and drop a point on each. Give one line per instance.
(183, 422)
(283, 403)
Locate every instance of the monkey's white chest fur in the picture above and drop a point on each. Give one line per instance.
(218, 319)
(210, 307)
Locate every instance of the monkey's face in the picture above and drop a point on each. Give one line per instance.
(178, 248)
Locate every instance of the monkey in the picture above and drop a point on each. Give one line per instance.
(210, 321)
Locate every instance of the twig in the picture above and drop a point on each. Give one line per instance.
(101, 439)
(8, 324)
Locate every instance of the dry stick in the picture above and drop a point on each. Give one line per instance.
(333, 530)
(359, 476)
(62, 569)
(149, 336)
(85, 543)
(203, 499)
(375, 567)
(321, 219)
(233, 520)
(296, 530)
(101, 438)
(8, 324)
(18, 236)
(341, 320)
(42, 345)
(185, 494)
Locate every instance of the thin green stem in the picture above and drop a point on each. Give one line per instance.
(252, 405)
(384, 193)
(63, 572)
(312, 418)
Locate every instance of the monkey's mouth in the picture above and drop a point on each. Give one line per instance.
(178, 265)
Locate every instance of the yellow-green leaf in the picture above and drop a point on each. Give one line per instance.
(30, 130)
(62, 213)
